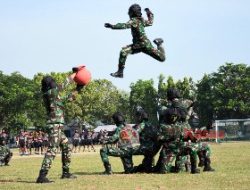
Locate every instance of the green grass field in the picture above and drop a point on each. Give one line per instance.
(231, 161)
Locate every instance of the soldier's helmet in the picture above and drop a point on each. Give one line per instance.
(48, 83)
(118, 118)
(141, 114)
(134, 11)
(173, 93)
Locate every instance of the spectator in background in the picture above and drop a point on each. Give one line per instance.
(76, 141)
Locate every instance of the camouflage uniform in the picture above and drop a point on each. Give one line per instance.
(149, 146)
(173, 134)
(204, 153)
(57, 138)
(141, 43)
(188, 146)
(124, 150)
(55, 126)
(170, 137)
(5, 153)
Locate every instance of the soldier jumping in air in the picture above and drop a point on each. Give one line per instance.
(141, 43)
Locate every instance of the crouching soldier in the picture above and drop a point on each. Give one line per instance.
(5, 153)
(128, 140)
(149, 146)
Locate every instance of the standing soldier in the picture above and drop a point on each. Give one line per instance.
(128, 140)
(141, 43)
(54, 104)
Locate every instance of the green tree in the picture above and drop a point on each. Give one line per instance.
(16, 99)
(144, 94)
(224, 94)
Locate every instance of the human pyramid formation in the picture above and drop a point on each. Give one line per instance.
(173, 137)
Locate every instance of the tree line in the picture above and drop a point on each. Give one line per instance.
(220, 95)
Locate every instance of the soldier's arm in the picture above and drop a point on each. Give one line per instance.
(150, 16)
(119, 26)
(141, 127)
(114, 137)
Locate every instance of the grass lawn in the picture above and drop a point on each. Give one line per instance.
(231, 161)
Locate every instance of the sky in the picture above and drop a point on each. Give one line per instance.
(56, 35)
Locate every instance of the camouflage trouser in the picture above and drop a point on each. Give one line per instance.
(203, 151)
(167, 157)
(182, 163)
(57, 138)
(145, 47)
(5, 155)
(187, 149)
(124, 154)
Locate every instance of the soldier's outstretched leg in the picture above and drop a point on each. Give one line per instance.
(159, 53)
(122, 59)
(119, 73)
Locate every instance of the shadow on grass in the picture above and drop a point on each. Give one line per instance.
(15, 181)
(95, 173)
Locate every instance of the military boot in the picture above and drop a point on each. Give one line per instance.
(119, 73)
(108, 170)
(67, 175)
(194, 169)
(42, 177)
(158, 41)
(207, 166)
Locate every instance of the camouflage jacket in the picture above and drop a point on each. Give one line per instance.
(126, 137)
(57, 104)
(147, 133)
(137, 25)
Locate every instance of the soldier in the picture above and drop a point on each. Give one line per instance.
(149, 146)
(54, 104)
(128, 140)
(141, 43)
(174, 128)
(188, 145)
(5, 153)
(203, 150)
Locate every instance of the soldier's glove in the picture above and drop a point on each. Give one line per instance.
(148, 11)
(79, 87)
(108, 25)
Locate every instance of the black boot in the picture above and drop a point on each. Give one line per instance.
(42, 177)
(207, 166)
(158, 41)
(108, 170)
(119, 73)
(194, 169)
(67, 175)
